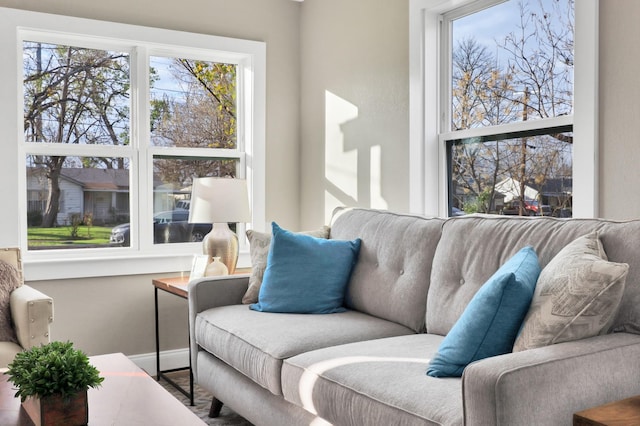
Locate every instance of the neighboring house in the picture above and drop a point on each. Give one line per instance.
(557, 192)
(511, 190)
(103, 193)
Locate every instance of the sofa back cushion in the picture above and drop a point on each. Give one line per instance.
(391, 278)
(472, 248)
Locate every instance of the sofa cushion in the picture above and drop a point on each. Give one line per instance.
(9, 281)
(490, 323)
(577, 296)
(379, 382)
(255, 343)
(259, 243)
(391, 278)
(306, 275)
(473, 247)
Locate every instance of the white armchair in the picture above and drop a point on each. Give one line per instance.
(31, 312)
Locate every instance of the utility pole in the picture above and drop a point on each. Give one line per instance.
(523, 153)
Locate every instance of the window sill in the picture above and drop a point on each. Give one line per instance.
(54, 269)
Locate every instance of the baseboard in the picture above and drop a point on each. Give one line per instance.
(169, 360)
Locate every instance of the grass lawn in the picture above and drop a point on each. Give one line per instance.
(61, 236)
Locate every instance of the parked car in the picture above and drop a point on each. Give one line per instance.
(562, 212)
(456, 212)
(513, 208)
(183, 205)
(168, 227)
(545, 210)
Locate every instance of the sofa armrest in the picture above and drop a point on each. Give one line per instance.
(547, 385)
(210, 292)
(32, 314)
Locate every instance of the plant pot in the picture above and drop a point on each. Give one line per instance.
(57, 411)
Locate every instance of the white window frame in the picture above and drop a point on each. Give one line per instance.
(142, 256)
(428, 74)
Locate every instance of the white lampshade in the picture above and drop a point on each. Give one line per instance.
(219, 200)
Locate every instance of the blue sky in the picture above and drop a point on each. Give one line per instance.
(493, 24)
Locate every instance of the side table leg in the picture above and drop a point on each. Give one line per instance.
(190, 370)
(190, 381)
(157, 335)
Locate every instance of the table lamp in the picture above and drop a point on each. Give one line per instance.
(220, 201)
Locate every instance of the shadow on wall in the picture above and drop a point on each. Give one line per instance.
(353, 162)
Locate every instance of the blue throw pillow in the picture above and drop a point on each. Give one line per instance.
(491, 321)
(305, 274)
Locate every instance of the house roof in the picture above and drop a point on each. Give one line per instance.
(511, 190)
(557, 186)
(94, 179)
(99, 179)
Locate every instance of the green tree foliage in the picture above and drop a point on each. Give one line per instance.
(203, 115)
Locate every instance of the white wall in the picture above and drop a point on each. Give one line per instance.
(619, 109)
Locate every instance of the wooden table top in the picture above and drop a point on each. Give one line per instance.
(128, 396)
(621, 413)
(174, 285)
(178, 285)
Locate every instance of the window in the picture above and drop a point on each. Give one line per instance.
(496, 122)
(112, 132)
(517, 70)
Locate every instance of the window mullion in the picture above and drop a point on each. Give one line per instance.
(194, 152)
(516, 127)
(142, 189)
(65, 149)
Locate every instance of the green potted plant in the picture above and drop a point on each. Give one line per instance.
(52, 382)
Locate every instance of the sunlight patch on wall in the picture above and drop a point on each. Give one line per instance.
(341, 165)
(375, 176)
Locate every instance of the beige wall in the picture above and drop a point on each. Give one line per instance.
(115, 314)
(105, 315)
(355, 102)
(619, 109)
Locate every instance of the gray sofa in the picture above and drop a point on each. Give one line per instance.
(413, 279)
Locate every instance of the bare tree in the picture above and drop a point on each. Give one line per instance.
(535, 81)
(72, 96)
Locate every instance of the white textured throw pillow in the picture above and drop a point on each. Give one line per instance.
(259, 243)
(577, 296)
(9, 281)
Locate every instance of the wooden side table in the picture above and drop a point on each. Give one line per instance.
(178, 287)
(618, 413)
